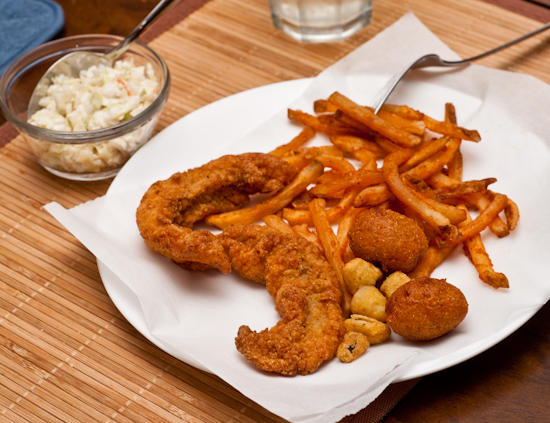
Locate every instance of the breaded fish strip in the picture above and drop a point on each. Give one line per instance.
(169, 208)
(306, 294)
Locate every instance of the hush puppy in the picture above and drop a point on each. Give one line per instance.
(393, 241)
(425, 309)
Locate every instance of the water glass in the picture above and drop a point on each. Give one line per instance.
(320, 20)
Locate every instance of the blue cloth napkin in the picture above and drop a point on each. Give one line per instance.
(25, 24)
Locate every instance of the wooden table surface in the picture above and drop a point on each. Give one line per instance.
(57, 323)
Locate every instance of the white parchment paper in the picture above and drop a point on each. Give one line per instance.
(195, 315)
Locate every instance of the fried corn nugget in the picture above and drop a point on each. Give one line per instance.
(352, 347)
(369, 301)
(376, 331)
(392, 282)
(359, 273)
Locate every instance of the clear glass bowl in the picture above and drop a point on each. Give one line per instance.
(86, 155)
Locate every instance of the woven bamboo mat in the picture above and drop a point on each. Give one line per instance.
(66, 353)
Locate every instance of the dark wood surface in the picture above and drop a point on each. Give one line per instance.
(116, 17)
(120, 17)
(508, 383)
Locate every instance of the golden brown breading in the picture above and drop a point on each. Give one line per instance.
(352, 347)
(169, 208)
(306, 294)
(426, 308)
(387, 238)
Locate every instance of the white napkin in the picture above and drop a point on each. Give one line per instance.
(195, 315)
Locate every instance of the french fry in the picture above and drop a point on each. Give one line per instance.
(323, 106)
(342, 233)
(369, 118)
(367, 157)
(475, 251)
(306, 119)
(276, 222)
(403, 111)
(340, 209)
(309, 120)
(420, 186)
(436, 220)
(337, 163)
(431, 260)
(335, 125)
(455, 165)
(272, 205)
(330, 176)
(303, 230)
(454, 214)
(451, 129)
(480, 200)
(511, 212)
(423, 152)
(301, 202)
(331, 248)
(463, 188)
(380, 144)
(440, 180)
(353, 145)
(372, 196)
(450, 113)
(482, 221)
(305, 156)
(304, 136)
(387, 145)
(417, 127)
(360, 178)
(435, 163)
(366, 132)
(297, 217)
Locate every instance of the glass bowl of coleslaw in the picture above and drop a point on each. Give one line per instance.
(88, 126)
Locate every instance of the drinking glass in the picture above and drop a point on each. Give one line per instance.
(320, 20)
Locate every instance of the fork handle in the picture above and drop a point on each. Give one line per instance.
(136, 32)
(499, 48)
(435, 60)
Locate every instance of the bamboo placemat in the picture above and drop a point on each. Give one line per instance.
(67, 354)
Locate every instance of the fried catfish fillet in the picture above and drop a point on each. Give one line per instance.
(306, 294)
(169, 208)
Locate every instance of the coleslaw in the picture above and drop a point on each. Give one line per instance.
(100, 97)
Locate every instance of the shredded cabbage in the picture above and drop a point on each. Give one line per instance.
(100, 97)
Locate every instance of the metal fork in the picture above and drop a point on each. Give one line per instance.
(435, 60)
